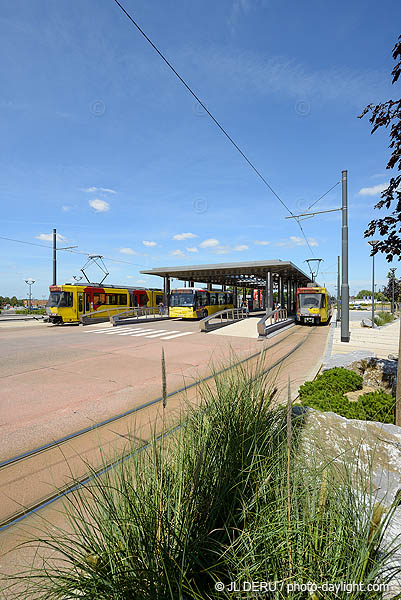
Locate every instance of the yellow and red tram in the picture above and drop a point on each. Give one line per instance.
(68, 302)
(314, 305)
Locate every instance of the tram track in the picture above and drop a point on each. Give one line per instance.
(83, 447)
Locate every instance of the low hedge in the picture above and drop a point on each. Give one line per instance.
(338, 380)
(326, 393)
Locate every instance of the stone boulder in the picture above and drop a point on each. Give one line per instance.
(328, 437)
(377, 373)
(366, 323)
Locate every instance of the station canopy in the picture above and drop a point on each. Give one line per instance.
(240, 274)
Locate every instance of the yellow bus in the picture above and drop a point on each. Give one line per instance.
(198, 303)
(68, 302)
(313, 305)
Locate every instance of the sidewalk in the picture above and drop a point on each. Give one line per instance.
(380, 341)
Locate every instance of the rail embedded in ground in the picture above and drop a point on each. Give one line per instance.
(28, 510)
(275, 319)
(223, 318)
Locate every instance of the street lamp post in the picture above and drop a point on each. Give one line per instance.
(373, 243)
(30, 283)
(393, 270)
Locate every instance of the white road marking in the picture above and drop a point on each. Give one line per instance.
(96, 330)
(133, 330)
(161, 332)
(144, 332)
(171, 337)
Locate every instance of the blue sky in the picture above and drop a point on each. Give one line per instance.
(100, 140)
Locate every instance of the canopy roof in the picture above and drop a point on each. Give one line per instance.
(250, 274)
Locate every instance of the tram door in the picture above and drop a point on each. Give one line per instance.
(81, 307)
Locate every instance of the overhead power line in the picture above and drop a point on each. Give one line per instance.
(258, 173)
(72, 251)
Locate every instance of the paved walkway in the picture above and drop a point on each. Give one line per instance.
(381, 341)
(246, 328)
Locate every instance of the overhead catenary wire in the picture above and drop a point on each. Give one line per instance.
(126, 262)
(222, 129)
(325, 194)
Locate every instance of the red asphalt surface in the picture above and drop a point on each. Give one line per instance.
(57, 380)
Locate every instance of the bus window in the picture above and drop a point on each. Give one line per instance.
(202, 299)
(159, 299)
(222, 299)
(213, 299)
(80, 302)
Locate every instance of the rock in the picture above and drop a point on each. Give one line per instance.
(366, 323)
(363, 445)
(353, 396)
(377, 373)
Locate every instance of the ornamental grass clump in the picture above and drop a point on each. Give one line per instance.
(150, 528)
(227, 497)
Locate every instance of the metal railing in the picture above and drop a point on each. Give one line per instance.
(223, 317)
(272, 318)
(113, 316)
(137, 313)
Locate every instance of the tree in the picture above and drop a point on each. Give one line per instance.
(385, 115)
(388, 290)
(363, 294)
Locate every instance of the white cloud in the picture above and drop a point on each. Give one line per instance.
(149, 244)
(241, 248)
(209, 243)
(295, 240)
(48, 237)
(193, 249)
(140, 281)
(184, 236)
(127, 251)
(261, 242)
(99, 205)
(96, 189)
(222, 249)
(66, 207)
(374, 190)
(177, 253)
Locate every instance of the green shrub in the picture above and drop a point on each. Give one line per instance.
(327, 391)
(333, 381)
(373, 406)
(26, 311)
(383, 317)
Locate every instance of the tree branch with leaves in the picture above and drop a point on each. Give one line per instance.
(388, 114)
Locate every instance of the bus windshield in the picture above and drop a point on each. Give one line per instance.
(182, 298)
(310, 300)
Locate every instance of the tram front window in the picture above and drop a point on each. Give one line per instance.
(182, 299)
(60, 299)
(54, 299)
(310, 300)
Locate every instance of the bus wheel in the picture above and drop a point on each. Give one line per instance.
(205, 314)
